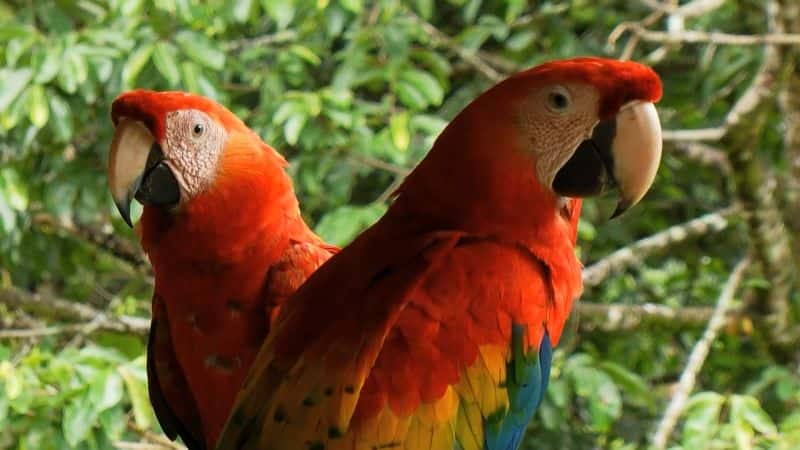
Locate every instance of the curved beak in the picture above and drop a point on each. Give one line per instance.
(136, 169)
(623, 152)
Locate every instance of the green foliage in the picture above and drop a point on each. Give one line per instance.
(353, 93)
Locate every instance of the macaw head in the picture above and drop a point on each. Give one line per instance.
(170, 148)
(590, 124)
(531, 146)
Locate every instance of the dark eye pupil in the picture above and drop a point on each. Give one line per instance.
(559, 100)
(198, 129)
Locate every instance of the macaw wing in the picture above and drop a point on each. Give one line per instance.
(467, 361)
(169, 392)
(306, 380)
(449, 351)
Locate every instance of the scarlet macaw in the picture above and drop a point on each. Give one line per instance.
(223, 231)
(434, 329)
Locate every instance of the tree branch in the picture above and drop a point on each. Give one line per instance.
(99, 235)
(754, 186)
(704, 154)
(268, 39)
(702, 37)
(470, 57)
(51, 307)
(636, 252)
(622, 318)
(698, 357)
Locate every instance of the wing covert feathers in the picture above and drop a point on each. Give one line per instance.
(442, 346)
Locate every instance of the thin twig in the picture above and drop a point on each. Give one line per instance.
(159, 441)
(267, 39)
(701, 134)
(99, 235)
(704, 154)
(697, 358)
(636, 252)
(470, 57)
(24, 333)
(44, 305)
(702, 37)
(621, 318)
(692, 9)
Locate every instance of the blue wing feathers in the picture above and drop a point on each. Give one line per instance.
(527, 377)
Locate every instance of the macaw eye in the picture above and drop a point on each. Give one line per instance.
(559, 100)
(198, 130)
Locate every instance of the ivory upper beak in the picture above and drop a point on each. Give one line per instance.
(636, 151)
(127, 162)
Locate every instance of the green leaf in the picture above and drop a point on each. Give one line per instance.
(190, 75)
(293, 127)
(200, 49)
(13, 82)
(306, 54)
(134, 65)
(602, 395)
(135, 384)
(62, 117)
(343, 224)
(410, 95)
(426, 84)
(105, 390)
(354, 6)
(78, 419)
(520, 40)
(631, 383)
(398, 127)
(747, 409)
(281, 11)
(513, 9)
(47, 62)
(166, 63)
(702, 419)
(241, 10)
(424, 8)
(38, 110)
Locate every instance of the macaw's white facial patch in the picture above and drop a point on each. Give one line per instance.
(555, 119)
(192, 148)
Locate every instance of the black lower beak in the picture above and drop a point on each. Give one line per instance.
(157, 186)
(590, 170)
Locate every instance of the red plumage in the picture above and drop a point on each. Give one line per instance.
(224, 262)
(404, 337)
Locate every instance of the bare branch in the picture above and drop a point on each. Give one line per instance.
(692, 9)
(704, 154)
(698, 357)
(702, 37)
(755, 187)
(55, 308)
(100, 235)
(636, 252)
(268, 39)
(701, 134)
(154, 441)
(621, 318)
(24, 333)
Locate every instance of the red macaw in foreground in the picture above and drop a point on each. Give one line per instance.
(224, 234)
(434, 329)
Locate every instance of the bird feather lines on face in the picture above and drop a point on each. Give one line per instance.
(193, 146)
(555, 129)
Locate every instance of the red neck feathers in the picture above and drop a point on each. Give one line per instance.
(250, 206)
(480, 178)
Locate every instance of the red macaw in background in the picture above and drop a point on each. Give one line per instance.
(434, 329)
(224, 234)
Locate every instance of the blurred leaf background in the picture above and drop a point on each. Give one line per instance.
(353, 93)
